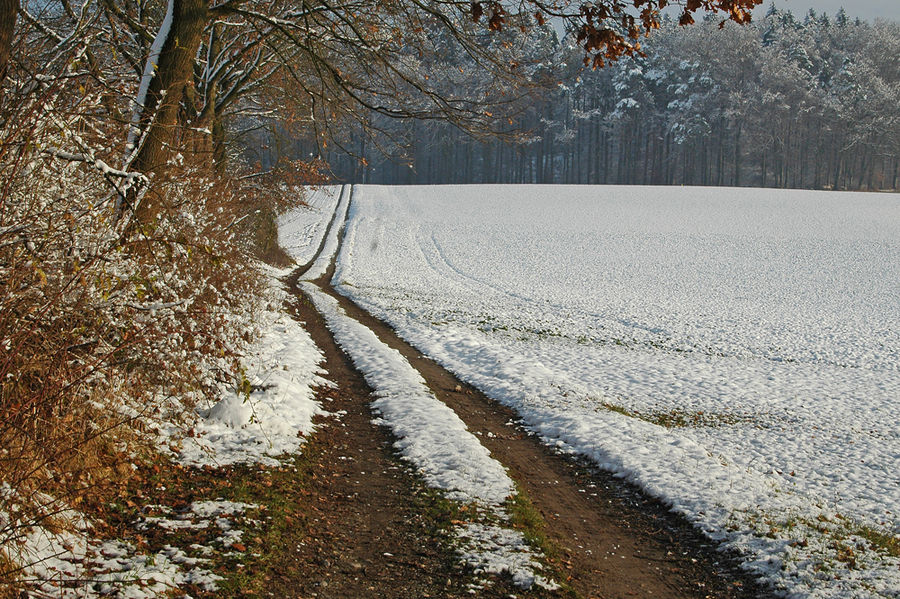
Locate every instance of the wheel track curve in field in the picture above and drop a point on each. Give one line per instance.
(427, 432)
(472, 282)
(330, 243)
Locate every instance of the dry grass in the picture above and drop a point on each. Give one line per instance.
(8, 587)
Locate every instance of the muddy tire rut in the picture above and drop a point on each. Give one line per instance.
(611, 540)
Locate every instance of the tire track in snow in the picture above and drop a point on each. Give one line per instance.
(428, 433)
(375, 537)
(444, 266)
(330, 241)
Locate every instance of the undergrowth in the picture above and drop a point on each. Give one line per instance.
(110, 329)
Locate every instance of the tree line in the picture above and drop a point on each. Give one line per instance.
(783, 102)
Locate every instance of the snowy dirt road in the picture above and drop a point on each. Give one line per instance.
(608, 539)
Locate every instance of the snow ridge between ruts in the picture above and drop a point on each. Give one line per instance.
(330, 247)
(429, 433)
(433, 438)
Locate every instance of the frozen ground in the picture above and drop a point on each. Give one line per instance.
(735, 352)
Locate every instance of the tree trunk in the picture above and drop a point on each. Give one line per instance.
(159, 115)
(9, 10)
(896, 173)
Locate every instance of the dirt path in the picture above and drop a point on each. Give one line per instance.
(613, 541)
(369, 529)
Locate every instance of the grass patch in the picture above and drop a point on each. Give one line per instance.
(680, 418)
(269, 547)
(845, 531)
(441, 514)
(830, 541)
(620, 410)
(528, 520)
(268, 531)
(881, 542)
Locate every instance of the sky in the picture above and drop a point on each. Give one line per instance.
(868, 10)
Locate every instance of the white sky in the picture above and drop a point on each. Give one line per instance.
(867, 10)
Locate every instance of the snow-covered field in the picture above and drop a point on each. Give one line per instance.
(735, 352)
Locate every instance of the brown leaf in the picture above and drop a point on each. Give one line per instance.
(496, 22)
(477, 11)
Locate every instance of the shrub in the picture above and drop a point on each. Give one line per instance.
(109, 329)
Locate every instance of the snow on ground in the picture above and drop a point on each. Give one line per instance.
(735, 352)
(300, 231)
(429, 434)
(332, 238)
(74, 565)
(272, 419)
(436, 441)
